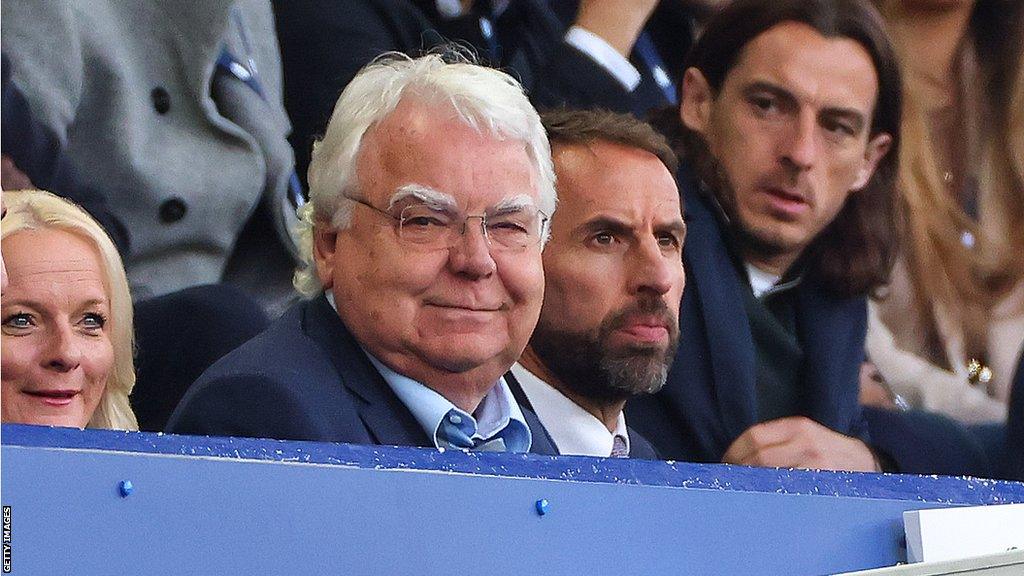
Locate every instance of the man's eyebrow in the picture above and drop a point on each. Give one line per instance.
(514, 203)
(676, 226)
(772, 88)
(852, 115)
(435, 199)
(607, 224)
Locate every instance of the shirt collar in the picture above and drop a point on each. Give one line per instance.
(760, 280)
(449, 9)
(765, 284)
(497, 416)
(574, 430)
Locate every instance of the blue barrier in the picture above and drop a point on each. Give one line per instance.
(198, 505)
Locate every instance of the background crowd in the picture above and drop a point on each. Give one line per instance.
(212, 167)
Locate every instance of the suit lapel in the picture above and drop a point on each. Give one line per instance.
(517, 391)
(714, 281)
(542, 441)
(385, 417)
(640, 447)
(832, 334)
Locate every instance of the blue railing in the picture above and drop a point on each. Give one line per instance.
(199, 505)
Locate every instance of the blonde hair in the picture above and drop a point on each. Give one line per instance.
(39, 210)
(967, 282)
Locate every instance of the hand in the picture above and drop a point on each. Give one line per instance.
(873, 391)
(799, 442)
(617, 22)
(11, 178)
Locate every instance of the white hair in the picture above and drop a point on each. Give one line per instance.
(432, 198)
(485, 99)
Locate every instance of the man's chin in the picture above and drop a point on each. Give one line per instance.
(770, 242)
(460, 357)
(635, 375)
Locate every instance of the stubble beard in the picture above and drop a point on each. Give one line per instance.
(760, 244)
(587, 363)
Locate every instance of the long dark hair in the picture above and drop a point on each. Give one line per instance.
(855, 253)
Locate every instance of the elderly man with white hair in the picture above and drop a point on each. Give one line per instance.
(431, 193)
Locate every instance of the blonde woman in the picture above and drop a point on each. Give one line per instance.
(66, 318)
(947, 333)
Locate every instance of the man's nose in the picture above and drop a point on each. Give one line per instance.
(800, 147)
(654, 271)
(470, 255)
(63, 351)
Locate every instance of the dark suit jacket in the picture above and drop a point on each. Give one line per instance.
(528, 42)
(710, 396)
(920, 442)
(306, 378)
(639, 447)
(324, 43)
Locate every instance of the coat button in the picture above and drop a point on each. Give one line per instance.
(161, 100)
(173, 210)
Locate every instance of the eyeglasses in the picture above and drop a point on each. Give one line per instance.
(514, 228)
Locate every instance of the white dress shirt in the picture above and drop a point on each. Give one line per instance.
(595, 47)
(601, 52)
(574, 430)
(760, 280)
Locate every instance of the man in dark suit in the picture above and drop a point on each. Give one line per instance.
(613, 271)
(430, 196)
(325, 42)
(791, 115)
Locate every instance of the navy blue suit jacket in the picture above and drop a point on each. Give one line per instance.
(710, 396)
(306, 378)
(325, 42)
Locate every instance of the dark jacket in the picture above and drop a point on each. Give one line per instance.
(710, 397)
(306, 378)
(324, 43)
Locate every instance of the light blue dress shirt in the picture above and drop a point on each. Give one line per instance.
(496, 425)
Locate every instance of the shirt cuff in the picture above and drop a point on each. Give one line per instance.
(451, 9)
(604, 55)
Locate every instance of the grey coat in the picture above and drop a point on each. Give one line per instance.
(184, 151)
